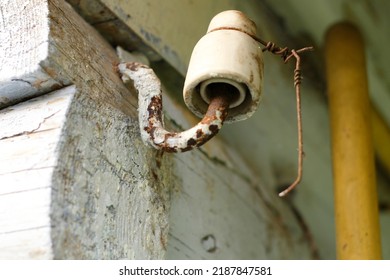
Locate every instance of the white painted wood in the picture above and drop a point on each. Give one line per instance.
(28, 86)
(28, 153)
(21, 74)
(24, 30)
(18, 245)
(51, 57)
(34, 178)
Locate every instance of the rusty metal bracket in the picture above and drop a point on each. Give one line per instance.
(151, 112)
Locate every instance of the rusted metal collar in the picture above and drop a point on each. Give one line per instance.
(151, 118)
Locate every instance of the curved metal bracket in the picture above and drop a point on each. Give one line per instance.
(150, 112)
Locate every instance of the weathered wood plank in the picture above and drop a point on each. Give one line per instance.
(56, 58)
(22, 51)
(85, 58)
(21, 76)
(18, 245)
(28, 154)
(110, 199)
(31, 179)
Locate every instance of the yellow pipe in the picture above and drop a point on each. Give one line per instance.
(381, 138)
(356, 204)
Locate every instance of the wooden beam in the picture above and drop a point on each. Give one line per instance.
(28, 155)
(63, 57)
(21, 75)
(22, 51)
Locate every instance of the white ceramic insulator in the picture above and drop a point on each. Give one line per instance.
(226, 53)
(240, 90)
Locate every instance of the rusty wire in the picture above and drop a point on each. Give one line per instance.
(286, 55)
